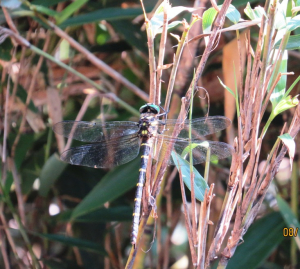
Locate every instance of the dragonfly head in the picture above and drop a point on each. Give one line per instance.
(149, 108)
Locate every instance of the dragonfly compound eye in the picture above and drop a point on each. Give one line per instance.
(150, 108)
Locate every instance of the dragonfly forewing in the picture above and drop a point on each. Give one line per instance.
(199, 127)
(95, 131)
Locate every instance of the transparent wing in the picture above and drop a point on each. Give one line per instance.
(95, 131)
(200, 126)
(219, 150)
(105, 154)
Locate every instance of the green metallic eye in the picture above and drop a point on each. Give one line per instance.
(155, 107)
(142, 108)
(150, 108)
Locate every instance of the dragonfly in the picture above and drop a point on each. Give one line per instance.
(115, 143)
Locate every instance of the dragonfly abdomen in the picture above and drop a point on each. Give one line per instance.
(145, 150)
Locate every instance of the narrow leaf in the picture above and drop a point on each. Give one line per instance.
(47, 3)
(207, 21)
(113, 185)
(289, 142)
(170, 26)
(44, 10)
(294, 23)
(255, 13)
(286, 103)
(51, 171)
(109, 14)
(70, 10)
(293, 43)
(158, 17)
(227, 88)
(184, 167)
(74, 242)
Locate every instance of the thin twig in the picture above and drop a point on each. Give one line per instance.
(161, 55)
(29, 95)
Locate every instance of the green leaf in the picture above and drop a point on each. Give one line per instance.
(8, 183)
(109, 14)
(5, 50)
(289, 217)
(74, 242)
(286, 103)
(47, 3)
(226, 87)
(259, 242)
(289, 142)
(280, 16)
(170, 26)
(25, 143)
(11, 4)
(44, 10)
(188, 149)
(51, 171)
(280, 87)
(158, 17)
(207, 21)
(183, 167)
(233, 14)
(120, 213)
(294, 23)
(293, 43)
(209, 16)
(70, 10)
(255, 13)
(113, 185)
(31, 168)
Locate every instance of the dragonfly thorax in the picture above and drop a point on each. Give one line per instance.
(147, 125)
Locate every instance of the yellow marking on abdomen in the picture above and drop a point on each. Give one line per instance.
(137, 199)
(140, 185)
(145, 144)
(135, 214)
(145, 156)
(142, 170)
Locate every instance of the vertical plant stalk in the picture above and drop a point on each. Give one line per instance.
(152, 63)
(294, 207)
(188, 225)
(161, 55)
(204, 216)
(203, 226)
(192, 178)
(5, 133)
(3, 251)
(218, 25)
(177, 58)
